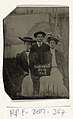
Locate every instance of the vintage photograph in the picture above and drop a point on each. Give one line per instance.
(36, 53)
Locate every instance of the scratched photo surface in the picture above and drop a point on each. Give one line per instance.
(36, 53)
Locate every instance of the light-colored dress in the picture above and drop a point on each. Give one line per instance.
(53, 85)
(27, 85)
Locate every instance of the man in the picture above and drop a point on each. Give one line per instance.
(39, 55)
(23, 63)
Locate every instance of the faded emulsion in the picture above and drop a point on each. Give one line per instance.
(36, 53)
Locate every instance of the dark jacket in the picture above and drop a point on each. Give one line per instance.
(22, 61)
(39, 55)
(60, 62)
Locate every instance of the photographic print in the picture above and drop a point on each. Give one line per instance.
(36, 53)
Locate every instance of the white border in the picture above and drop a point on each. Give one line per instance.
(5, 8)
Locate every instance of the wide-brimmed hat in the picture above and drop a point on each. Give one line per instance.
(27, 39)
(39, 32)
(52, 38)
(49, 34)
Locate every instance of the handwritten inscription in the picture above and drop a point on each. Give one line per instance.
(54, 111)
(40, 113)
(58, 111)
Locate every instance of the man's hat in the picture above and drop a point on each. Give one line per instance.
(27, 39)
(39, 32)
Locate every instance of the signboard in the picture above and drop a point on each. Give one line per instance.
(42, 70)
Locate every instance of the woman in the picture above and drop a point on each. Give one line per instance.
(54, 84)
(23, 61)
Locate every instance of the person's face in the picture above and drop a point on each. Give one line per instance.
(39, 37)
(52, 44)
(27, 46)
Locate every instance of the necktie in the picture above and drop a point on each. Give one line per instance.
(27, 57)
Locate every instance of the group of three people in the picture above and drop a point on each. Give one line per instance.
(38, 53)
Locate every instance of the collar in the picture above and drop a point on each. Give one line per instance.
(52, 50)
(27, 50)
(39, 44)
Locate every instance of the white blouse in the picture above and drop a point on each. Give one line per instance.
(53, 57)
